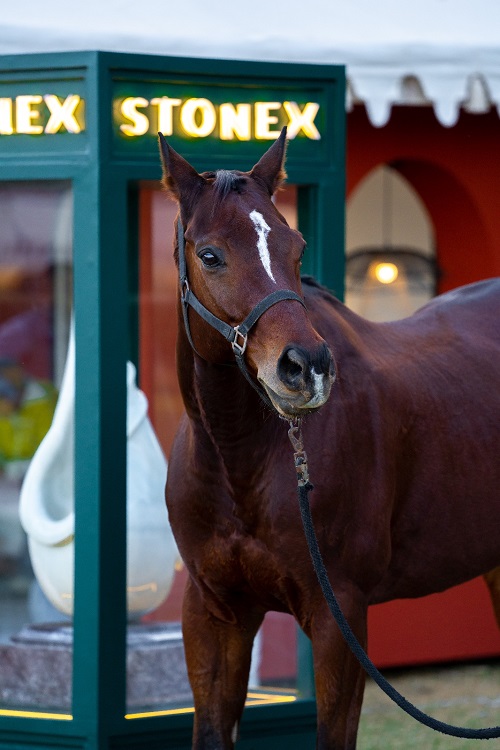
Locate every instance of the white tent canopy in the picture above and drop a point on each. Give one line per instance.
(440, 52)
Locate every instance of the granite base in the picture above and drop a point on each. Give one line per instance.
(36, 667)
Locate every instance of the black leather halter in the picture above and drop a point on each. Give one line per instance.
(236, 335)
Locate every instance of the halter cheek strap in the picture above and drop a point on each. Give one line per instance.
(236, 335)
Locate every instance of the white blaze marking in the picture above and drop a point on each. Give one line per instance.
(262, 229)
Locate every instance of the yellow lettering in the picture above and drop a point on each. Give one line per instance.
(302, 119)
(6, 117)
(62, 113)
(140, 122)
(207, 117)
(199, 117)
(235, 121)
(263, 120)
(165, 108)
(25, 114)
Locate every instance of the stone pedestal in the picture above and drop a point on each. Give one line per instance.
(36, 667)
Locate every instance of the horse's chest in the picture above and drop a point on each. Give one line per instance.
(236, 542)
(241, 563)
(237, 558)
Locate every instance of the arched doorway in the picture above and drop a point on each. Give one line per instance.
(391, 267)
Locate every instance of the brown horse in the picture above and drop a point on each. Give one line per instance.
(403, 453)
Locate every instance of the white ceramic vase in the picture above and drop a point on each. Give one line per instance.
(47, 504)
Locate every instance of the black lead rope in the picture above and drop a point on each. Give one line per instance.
(304, 487)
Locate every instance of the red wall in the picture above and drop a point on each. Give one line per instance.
(456, 173)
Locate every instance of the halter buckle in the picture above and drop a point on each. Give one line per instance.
(239, 349)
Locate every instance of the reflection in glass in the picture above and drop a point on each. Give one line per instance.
(35, 304)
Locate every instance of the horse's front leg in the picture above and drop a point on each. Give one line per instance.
(218, 655)
(339, 678)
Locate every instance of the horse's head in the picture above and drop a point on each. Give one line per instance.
(239, 250)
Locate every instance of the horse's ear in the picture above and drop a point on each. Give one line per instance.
(270, 169)
(180, 179)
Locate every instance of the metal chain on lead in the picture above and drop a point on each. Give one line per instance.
(299, 456)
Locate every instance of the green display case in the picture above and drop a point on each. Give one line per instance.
(90, 120)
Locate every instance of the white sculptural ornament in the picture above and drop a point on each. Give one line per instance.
(47, 504)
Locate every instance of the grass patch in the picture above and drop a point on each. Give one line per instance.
(466, 696)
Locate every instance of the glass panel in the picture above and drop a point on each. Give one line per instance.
(36, 461)
(156, 669)
(157, 679)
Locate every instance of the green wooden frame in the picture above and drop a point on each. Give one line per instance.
(101, 174)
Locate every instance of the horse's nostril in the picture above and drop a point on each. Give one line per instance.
(294, 370)
(323, 362)
(299, 369)
(292, 367)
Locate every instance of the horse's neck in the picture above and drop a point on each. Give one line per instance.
(230, 406)
(223, 407)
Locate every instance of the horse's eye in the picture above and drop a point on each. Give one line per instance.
(209, 258)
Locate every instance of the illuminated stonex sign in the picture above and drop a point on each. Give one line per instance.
(200, 117)
(36, 114)
(49, 114)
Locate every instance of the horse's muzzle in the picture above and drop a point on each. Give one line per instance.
(303, 381)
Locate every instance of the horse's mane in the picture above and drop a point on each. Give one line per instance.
(312, 282)
(225, 181)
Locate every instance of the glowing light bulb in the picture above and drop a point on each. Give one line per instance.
(386, 273)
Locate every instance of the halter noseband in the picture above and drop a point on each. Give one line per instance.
(236, 335)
